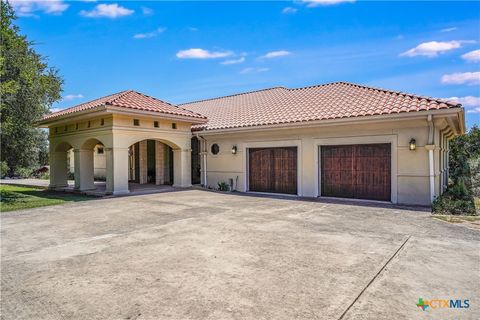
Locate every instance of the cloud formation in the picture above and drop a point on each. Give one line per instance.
(233, 61)
(197, 53)
(434, 48)
(276, 54)
(289, 10)
(146, 11)
(469, 78)
(253, 70)
(471, 103)
(148, 34)
(449, 29)
(26, 8)
(472, 56)
(111, 11)
(70, 97)
(316, 3)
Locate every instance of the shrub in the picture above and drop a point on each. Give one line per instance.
(24, 172)
(3, 169)
(455, 201)
(44, 175)
(223, 186)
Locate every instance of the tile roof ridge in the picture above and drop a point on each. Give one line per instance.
(411, 95)
(118, 95)
(233, 95)
(49, 115)
(123, 93)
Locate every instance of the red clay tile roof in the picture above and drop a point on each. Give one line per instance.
(329, 101)
(132, 100)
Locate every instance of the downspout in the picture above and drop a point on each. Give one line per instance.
(430, 147)
(204, 158)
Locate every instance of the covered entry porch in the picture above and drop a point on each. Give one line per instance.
(143, 141)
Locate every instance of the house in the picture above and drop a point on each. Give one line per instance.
(333, 140)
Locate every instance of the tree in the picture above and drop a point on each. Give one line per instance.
(28, 87)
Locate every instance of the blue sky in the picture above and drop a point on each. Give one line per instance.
(185, 51)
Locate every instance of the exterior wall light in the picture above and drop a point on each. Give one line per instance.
(234, 150)
(413, 144)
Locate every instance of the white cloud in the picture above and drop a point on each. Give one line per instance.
(276, 54)
(70, 97)
(449, 29)
(316, 3)
(289, 10)
(149, 34)
(193, 29)
(25, 8)
(146, 11)
(253, 70)
(108, 11)
(197, 53)
(471, 103)
(433, 48)
(469, 78)
(472, 56)
(233, 61)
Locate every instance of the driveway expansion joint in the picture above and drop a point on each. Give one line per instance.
(375, 277)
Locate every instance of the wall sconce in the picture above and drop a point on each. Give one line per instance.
(413, 144)
(234, 150)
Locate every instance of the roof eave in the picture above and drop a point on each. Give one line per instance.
(163, 115)
(361, 119)
(45, 123)
(105, 109)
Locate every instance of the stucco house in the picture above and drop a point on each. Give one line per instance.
(333, 140)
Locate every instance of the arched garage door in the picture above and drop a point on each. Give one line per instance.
(273, 170)
(360, 171)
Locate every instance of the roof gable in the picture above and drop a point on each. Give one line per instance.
(129, 99)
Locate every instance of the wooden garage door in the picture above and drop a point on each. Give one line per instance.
(273, 170)
(356, 171)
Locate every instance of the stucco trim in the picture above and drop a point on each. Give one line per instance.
(392, 139)
(273, 144)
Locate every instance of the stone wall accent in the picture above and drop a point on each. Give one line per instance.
(159, 162)
(142, 159)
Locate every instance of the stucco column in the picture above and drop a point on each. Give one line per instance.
(58, 170)
(159, 162)
(431, 171)
(117, 170)
(142, 161)
(84, 169)
(182, 168)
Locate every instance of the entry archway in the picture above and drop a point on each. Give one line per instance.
(151, 161)
(59, 160)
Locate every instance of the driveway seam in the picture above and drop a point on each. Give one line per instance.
(374, 277)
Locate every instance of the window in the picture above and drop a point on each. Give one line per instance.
(100, 150)
(174, 126)
(88, 124)
(56, 130)
(155, 124)
(76, 126)
(136, 122)
(66, 128)
(102, 122)
(215, 149)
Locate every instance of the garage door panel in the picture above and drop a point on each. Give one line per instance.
(273, 170)
(356, 171)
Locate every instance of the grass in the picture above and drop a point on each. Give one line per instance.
(19, 197)
(457, 219)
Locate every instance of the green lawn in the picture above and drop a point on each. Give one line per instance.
(18, 197)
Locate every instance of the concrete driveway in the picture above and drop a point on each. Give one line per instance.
(203, 255)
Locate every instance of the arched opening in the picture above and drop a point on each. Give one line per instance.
(60, 160)
(150, 164)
